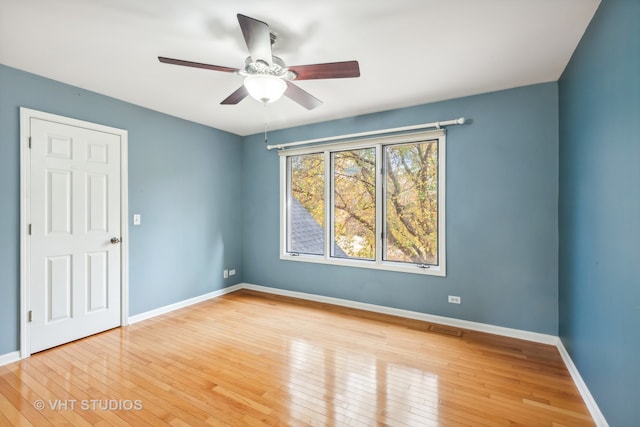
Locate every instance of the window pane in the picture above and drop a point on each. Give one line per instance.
(411, 203)
(305, 204)
(354, 210)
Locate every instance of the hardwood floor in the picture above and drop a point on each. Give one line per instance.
(254, 359)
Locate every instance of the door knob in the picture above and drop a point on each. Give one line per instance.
(115, 240)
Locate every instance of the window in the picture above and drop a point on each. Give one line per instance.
(411, 203)
(376, 203)
(305, 206)
(354, 203)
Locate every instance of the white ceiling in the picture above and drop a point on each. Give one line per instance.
(410, 51)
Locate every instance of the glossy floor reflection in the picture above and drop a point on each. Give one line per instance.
(362, 387)
(254, 359)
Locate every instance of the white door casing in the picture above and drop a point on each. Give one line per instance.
(73, 202)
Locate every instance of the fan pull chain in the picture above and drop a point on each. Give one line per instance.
(266, 121)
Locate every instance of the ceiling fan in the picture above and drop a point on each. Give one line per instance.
(267, 77)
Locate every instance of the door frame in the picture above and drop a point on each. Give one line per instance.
(26, 115)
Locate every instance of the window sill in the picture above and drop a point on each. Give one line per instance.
(438, 271)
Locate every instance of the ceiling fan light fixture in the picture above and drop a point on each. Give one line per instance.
(264, 87)
(267, 77)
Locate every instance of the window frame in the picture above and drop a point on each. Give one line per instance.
(378, 263)
(332, 199)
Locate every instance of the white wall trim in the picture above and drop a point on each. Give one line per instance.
(590, 402)
(596, 414)
(181, 304)
(5, 359)
(449, 321)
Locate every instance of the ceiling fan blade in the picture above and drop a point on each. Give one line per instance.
(196, 65)
(302, 97)
(236, 96)
(330, 70)
(258, 38)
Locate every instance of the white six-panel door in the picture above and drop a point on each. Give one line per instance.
(74, 263)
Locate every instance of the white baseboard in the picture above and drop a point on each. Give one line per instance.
(594, 410)
(449, 321)
(5, 359)
(596, 414)
(171, 307)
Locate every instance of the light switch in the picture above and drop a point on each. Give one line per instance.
(136, 219)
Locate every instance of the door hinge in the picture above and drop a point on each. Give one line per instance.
(30, 316)
(29, 142)
(29, 229)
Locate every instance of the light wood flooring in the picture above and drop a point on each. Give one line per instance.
(253, 359)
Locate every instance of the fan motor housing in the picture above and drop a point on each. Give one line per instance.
(277, 68)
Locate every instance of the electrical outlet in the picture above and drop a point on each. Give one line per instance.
(226, 274)
(454, 299)
(232, 272)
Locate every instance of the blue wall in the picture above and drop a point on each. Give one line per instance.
(505, 174)
(184, 179)
(599, 282)
(502, 180)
